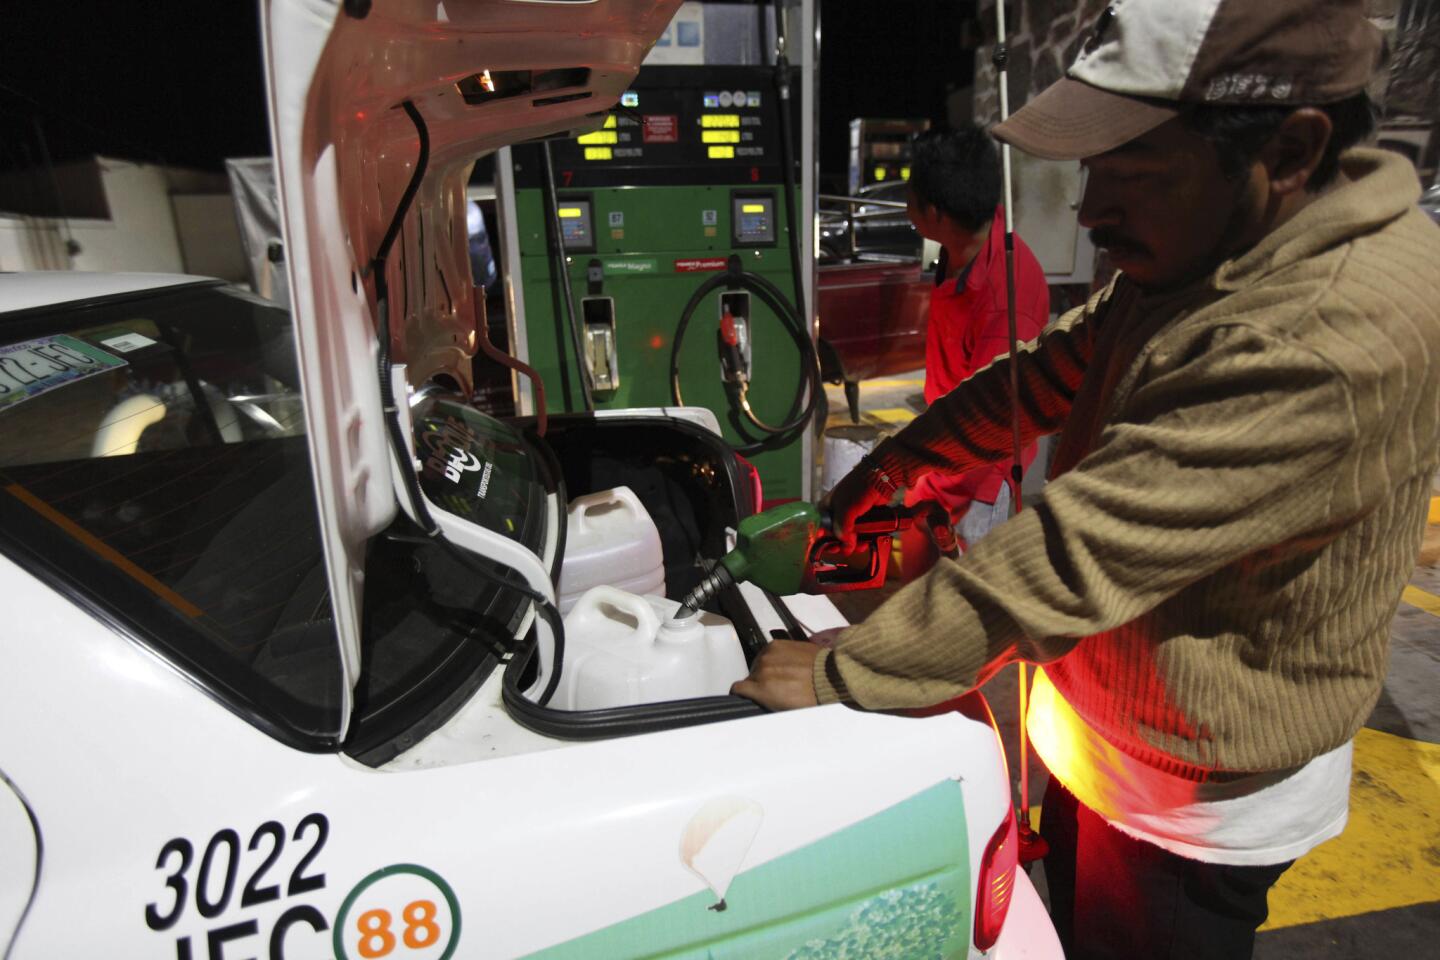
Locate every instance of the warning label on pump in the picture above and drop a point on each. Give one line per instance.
(699, 264)
(662, 128)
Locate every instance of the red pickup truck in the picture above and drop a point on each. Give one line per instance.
(873, 295)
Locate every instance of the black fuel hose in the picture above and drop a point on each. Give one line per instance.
(808, 389)
(787, 159)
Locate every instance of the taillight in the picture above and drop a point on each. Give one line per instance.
(750, 482)
(997, 883)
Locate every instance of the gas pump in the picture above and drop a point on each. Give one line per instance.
(672, 217)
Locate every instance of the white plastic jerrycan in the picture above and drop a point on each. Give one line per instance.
(623, 649)
(610, 540)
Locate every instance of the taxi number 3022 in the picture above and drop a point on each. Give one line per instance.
(221, 859)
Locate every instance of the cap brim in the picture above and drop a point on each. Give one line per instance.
(1071, 120)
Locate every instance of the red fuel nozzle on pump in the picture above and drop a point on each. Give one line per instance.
(727, 340)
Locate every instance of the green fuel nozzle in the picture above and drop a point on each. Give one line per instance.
(791, 549)
(771, 551)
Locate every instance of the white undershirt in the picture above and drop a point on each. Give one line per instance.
(1261, 819)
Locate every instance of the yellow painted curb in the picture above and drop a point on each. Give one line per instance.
(1389, 854)
(1425, 601)
(839, 390)
(891, 415)
(901, 383)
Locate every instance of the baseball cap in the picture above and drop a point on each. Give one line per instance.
(1145, 61)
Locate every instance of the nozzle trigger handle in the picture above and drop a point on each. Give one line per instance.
(732, 364)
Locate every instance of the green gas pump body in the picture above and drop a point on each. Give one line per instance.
(650, 206)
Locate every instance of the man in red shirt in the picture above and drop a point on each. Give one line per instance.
(954, 199)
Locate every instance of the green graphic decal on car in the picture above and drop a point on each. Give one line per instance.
(895, 886)
(917, 923)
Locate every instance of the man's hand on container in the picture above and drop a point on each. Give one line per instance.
(783, 675)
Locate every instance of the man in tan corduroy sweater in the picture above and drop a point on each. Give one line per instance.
(1247, 419)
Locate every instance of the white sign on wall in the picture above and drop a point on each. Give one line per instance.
(683, 41)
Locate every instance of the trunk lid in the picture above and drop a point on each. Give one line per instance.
(362, 95)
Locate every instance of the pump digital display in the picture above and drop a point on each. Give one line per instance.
(683, 125)
(722, 136)
(752, 220)
(601, 144)
(577, 230)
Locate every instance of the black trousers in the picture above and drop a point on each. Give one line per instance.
(1113, 897)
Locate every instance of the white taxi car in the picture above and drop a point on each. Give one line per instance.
(275, 683)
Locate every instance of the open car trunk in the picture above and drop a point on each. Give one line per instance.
(695, 492)
(443, 528)
(378, 111)
(692, 485)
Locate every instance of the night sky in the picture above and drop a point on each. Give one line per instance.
(181, 82)
(138, 79)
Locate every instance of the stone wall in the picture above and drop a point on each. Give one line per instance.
(1414, 76)
(1043, 37)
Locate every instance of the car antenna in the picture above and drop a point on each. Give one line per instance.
(1032, 846)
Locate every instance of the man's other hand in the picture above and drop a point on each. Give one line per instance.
(782, 678)
(854, 495)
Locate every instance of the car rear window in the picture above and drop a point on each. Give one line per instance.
(153, 465)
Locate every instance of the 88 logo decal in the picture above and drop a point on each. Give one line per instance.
(401, 912)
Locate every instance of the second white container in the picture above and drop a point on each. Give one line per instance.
(610, 540)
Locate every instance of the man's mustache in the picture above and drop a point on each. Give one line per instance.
(1115, 241)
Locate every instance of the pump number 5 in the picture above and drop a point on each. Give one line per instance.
(403, 911)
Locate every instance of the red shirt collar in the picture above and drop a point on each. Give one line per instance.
(976, 273)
